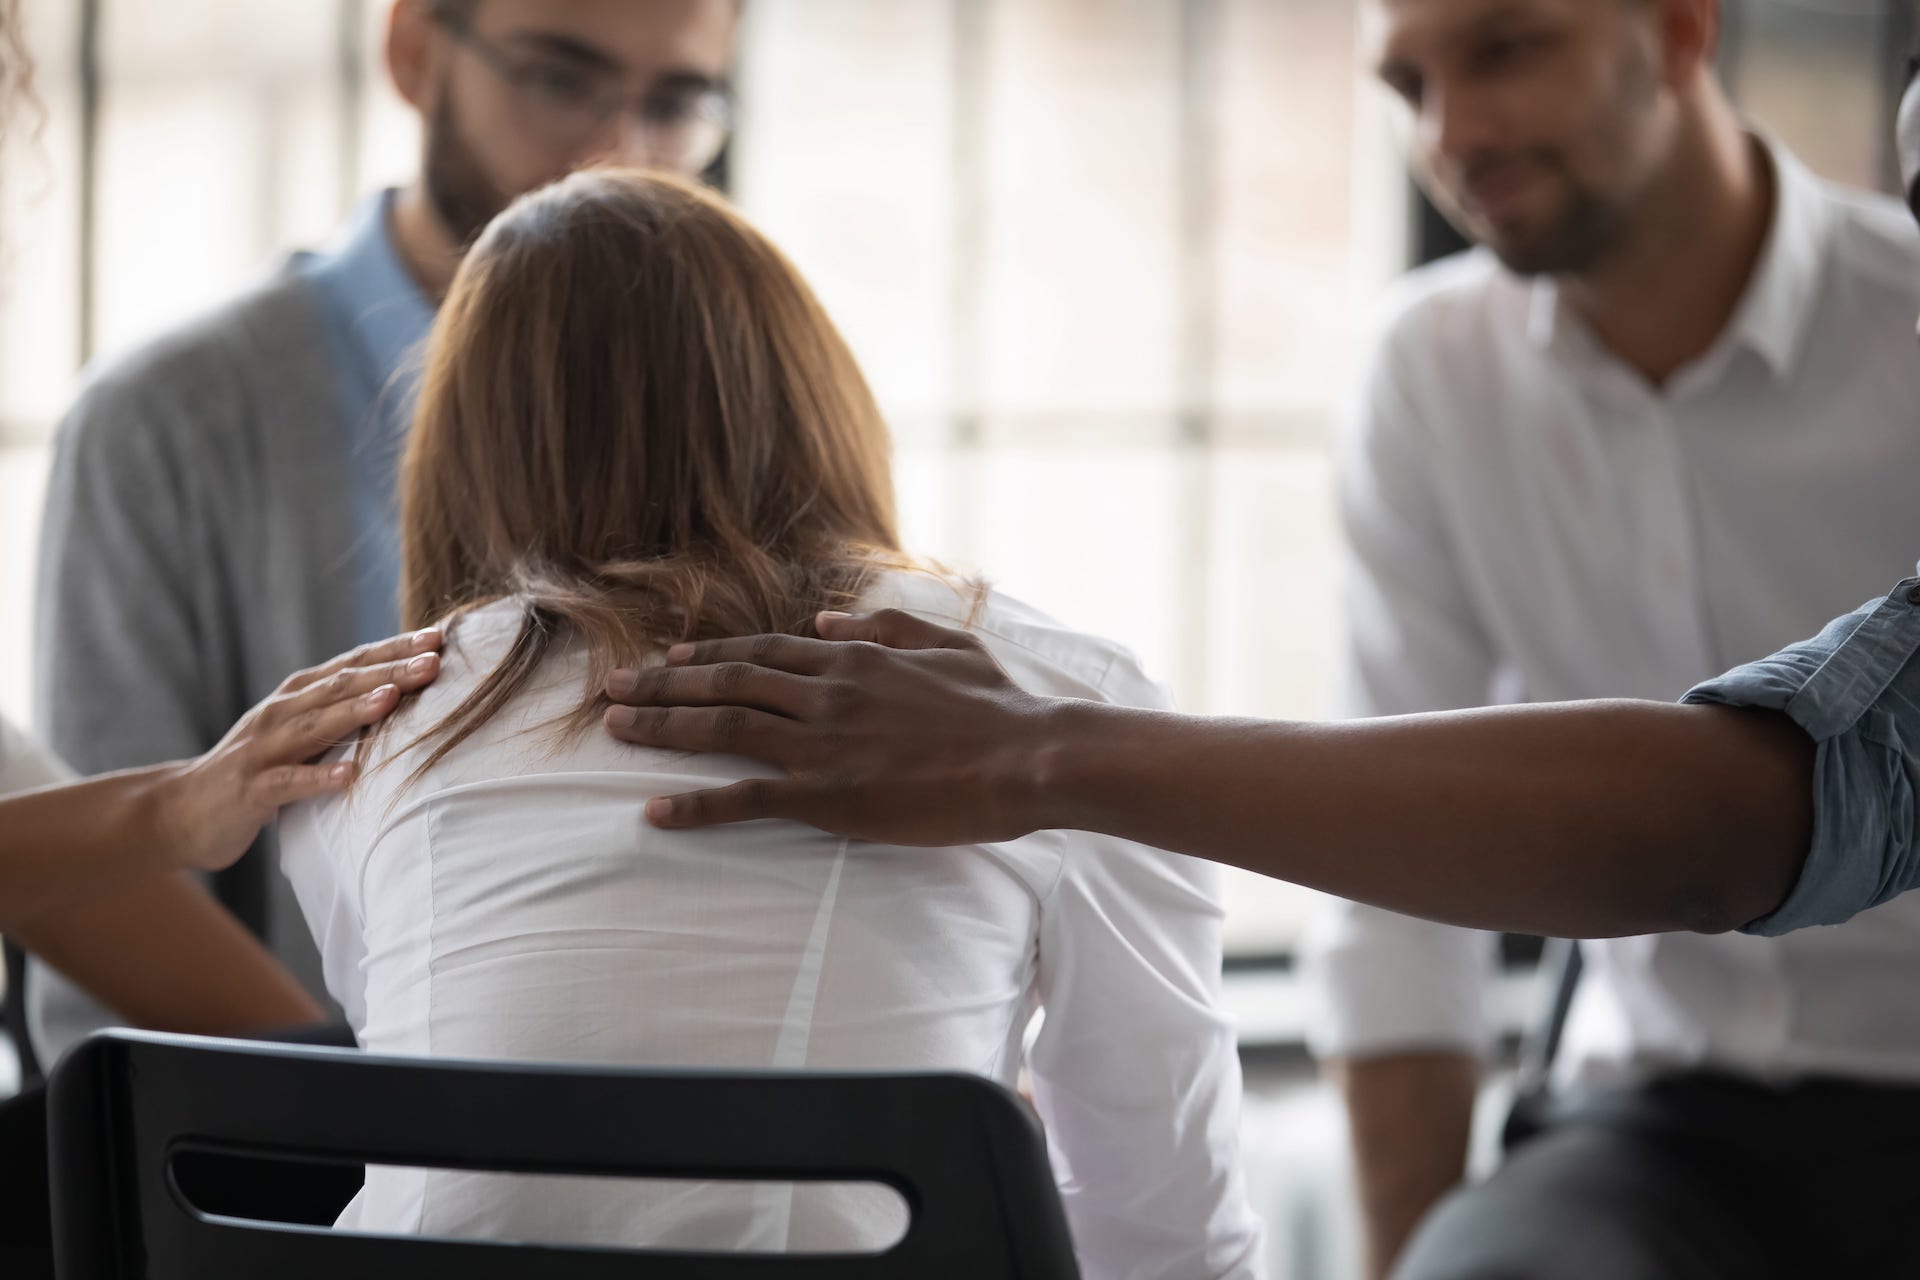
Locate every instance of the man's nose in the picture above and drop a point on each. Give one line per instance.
(626, 139)
(1454, 124)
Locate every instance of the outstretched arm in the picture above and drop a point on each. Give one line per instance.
(1579, 820)
(62, 844)
(164, 955)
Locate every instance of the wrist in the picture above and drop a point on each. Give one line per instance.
(159, 802)
(1055, 763)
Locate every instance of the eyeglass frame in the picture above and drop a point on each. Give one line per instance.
(713, 103)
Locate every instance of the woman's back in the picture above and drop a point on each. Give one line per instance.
(513, 903)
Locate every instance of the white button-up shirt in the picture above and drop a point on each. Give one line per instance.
(1530, 520)
(515, 904)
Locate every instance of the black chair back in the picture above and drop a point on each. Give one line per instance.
(962, 1152)
(15, 1016)
(1532, 1109)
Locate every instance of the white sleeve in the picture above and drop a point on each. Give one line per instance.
(1384, 982)
(25, 765)
(1136, 1069)
(315, 839)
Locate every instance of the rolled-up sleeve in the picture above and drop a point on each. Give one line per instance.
(1855, 689)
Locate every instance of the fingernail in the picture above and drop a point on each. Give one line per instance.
(379, 695)
(659, 809)
(834, 613)
(622, 681)
(427, 635)
(679, 653)
(340, 772)
(422, 664)
(622, 717)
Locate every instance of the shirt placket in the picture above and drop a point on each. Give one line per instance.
(1656, 502)
(1757, 1017)
(1752, 1020)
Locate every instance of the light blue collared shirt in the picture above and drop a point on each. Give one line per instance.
(376, 320)
(1855, 689)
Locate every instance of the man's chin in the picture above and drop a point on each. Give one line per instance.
(1526, 252)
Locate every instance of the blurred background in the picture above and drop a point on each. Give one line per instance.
(1106, 263)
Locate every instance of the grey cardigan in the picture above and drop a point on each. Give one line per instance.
(197, 549)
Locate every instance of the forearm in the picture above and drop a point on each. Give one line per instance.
(1573, 820)
(1409, 1118)
(61, 844)
(164, 955)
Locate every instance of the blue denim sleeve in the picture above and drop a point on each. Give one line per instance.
(1855, 689)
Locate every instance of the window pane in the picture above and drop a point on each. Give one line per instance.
(1815, 76)
(232, 109)
(1090, 536)
(1083, 293)
(845, 158)
(1290, 265)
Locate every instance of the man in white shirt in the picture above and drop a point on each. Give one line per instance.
(1581, 467)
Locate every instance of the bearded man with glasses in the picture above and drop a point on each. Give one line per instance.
(221, 509)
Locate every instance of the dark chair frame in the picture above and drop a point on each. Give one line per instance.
(965, 1154)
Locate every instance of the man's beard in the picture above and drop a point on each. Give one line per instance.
(461, 193)
(1594, 220)
(1581, 236)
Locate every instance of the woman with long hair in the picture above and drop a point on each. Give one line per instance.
(638, 428)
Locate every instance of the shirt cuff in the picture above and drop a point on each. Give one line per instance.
(1378, 982)
(1847, 688)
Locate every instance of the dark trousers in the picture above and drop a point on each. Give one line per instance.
(269, 1191)
(1695, 1177)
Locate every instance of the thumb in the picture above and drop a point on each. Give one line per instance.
(893, 628)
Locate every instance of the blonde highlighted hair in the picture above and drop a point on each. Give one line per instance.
(637, 419)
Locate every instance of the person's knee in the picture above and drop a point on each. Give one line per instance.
(1587, 1203)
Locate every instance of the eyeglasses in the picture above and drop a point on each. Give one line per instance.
(684, 127)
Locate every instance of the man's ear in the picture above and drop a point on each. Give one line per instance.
(1689, 39)
(415, 45)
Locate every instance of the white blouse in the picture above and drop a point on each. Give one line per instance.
(25, 765)
(515, 904)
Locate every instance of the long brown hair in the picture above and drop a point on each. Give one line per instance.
(637, 418)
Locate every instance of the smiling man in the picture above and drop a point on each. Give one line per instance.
(1659, 424)
(221, 509)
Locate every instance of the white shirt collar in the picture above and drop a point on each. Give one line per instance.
(1776, 309)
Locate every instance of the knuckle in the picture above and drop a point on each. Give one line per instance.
(765, 647)
(655, 685)
(728, 724)
(839, 699)
(269, 783)
(730, 677)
